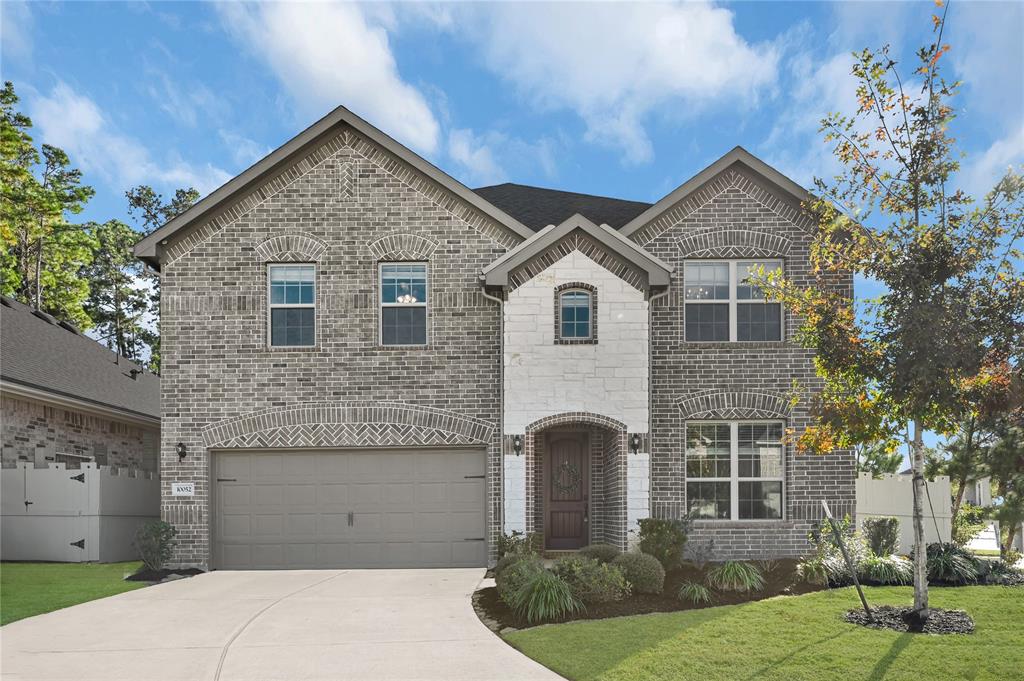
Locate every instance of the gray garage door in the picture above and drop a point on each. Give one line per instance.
(350, 509)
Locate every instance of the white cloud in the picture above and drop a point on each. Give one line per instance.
(980, 172)
(75, 123)
(16, 29)
(244, 151)
(326, 54)
(188, 106)
(475, 157)
(989, 56)
(617, 64)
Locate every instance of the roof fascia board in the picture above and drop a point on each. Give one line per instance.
(148, 247)
(59, 399)
(736, 155)
(496, 274)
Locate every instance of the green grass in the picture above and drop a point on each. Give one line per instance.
(28, 589)
(801, 637)
(986, 552)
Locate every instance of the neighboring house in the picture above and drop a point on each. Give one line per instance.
(67, 399)
(367, 364)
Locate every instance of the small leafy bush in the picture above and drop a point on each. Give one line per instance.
(592, 581)
(827, 565)
(155, 541)
(510, 559)
(812, 570)
(736, 575)
(543, 596)
(1000, 572)
(642, 571)
(603, 553)
(886, 570)
(951, 564)
(694, 592)
(664, 539)
(515, 575)
(882, 534)
(519, 543)
(970, 521)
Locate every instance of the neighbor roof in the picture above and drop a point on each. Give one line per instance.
(537, 207)
(148, 248)
(37, 351)
(497, 273)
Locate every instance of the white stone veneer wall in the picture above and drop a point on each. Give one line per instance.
(638, 493)
(609, 378)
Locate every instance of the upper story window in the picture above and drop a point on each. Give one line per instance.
(403, 303)
(722, 305)
(575, 314)
(292, 307)
(734, 470)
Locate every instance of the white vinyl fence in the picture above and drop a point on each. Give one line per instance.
(893, 495)
(79, 515)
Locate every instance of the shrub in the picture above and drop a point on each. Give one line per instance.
(515, 575)
(543, 596)
(519, 543)
(970, 521)
(736, 575)
(882, 534)
(154, 541)
(1000, 572)
(827, 566)
(604, 553)
(642, 571)
(951, 564)
(886, 570)
(664, 539)
(592, 581)
(510, 559)
(694, 592)
(812, 570)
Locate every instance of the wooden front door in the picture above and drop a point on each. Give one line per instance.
(567, 491)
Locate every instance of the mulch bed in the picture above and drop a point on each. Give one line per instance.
(147, 575)
(904, 620)
(782, 580)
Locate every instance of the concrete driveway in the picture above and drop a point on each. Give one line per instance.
(253, 626)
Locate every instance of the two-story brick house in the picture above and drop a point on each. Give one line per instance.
(367, 364)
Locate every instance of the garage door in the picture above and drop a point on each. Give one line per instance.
(350, 509)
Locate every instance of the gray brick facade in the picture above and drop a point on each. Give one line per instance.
(347, 203)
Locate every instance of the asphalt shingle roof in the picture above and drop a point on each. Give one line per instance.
(537, 207)
(39, 352)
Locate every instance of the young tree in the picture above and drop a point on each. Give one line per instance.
(944, 338)
(44, 252)
(1006, 463)
(118, 299)
(878, 458)
(964, 458)
(151, 211)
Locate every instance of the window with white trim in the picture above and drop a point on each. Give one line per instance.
(291, 311)
(720, 303)
(403, 303)
(734, 470)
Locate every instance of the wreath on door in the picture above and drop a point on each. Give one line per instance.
(567, 478)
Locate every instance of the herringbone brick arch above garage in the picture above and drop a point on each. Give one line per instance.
(348, 424)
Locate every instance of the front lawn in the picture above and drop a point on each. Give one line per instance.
(796, 637)
(28, 589)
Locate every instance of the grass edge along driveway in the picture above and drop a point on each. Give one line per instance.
(28, 589)
(795, 637)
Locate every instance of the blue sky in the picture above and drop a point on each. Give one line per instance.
(625, 100)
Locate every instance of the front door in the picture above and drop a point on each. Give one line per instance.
(567, 491)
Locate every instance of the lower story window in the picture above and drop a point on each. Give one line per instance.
(734, 470)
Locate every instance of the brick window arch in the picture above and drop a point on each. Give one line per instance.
(576, 314)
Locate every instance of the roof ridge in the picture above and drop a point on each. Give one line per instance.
(561, 191)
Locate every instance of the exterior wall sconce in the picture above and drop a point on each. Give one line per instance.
(634, 443)
(517, 444)
(181, 450)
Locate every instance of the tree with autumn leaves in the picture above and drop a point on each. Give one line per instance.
(943, 341)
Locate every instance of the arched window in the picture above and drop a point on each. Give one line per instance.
(575, 312)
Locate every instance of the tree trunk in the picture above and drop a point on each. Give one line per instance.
(958, 500)
(37, 298)
(920, 549)
(1011, 534)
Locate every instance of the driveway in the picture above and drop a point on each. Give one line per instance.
(253, 626)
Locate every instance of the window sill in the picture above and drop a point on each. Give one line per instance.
(735, 345)
(292, 348)
(744, 524)
(399, 348)
(575, 341)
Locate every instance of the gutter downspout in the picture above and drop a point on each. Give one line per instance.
(650, 397)
(501, 405)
